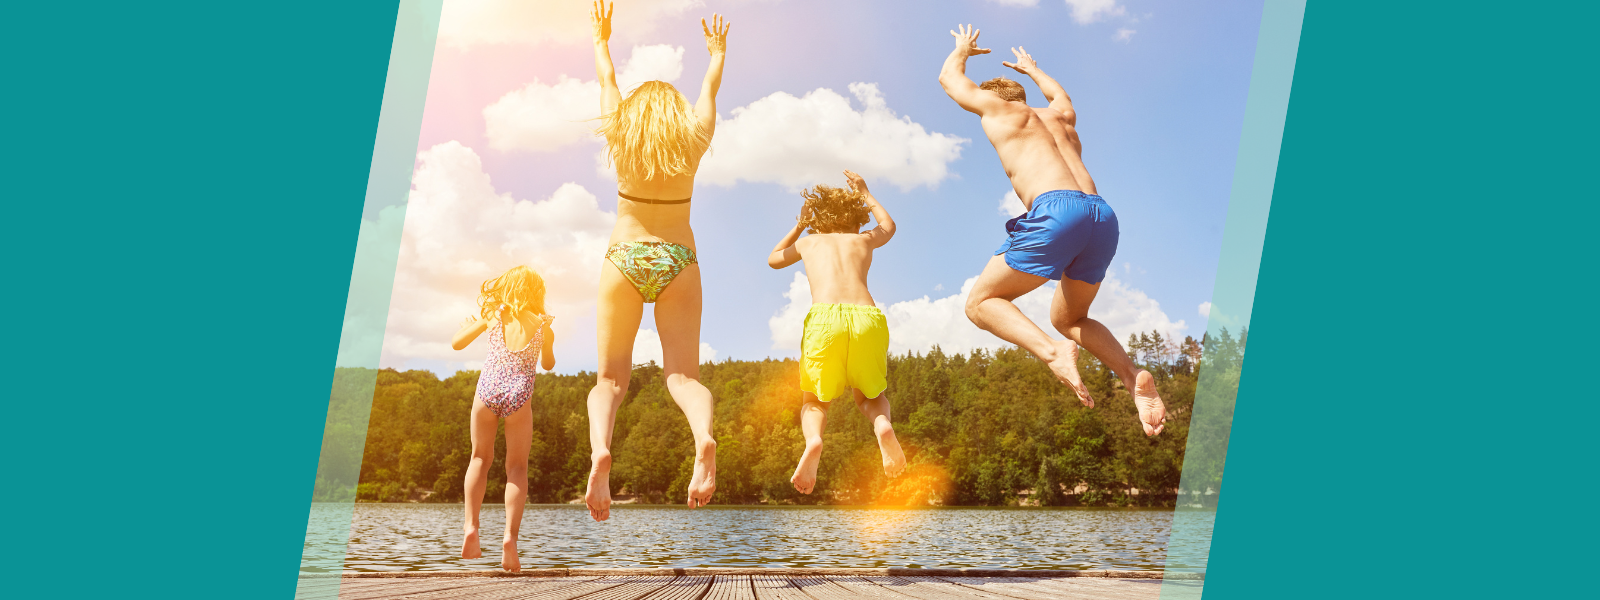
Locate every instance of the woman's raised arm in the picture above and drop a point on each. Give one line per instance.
(604, 70)
(705, 110)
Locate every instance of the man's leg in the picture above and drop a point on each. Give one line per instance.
(989, 307)
(1069, 312)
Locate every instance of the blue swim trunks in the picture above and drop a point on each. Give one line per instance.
(1066, 233)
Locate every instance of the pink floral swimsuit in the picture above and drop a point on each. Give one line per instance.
(506, 382)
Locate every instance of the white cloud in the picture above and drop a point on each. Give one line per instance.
(1011, 205)
(1124, 35)
(1205, 309)
(1089, 11)
(917, 325)
(459, 232)
(543, 117)
(799, 142)
(647, 347)
(466, 23)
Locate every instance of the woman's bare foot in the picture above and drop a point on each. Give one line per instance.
(805, 473)
(511, 562)
(1152, 413)
(1065, 367)
(598, 496)
(704, 482)
(894, 460)
(469, 544)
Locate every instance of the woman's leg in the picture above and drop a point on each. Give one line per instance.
(678, 319)
(519, 436)
(618, 312)
(482, 425)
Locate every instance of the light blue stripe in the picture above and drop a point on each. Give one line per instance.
(1254, 174)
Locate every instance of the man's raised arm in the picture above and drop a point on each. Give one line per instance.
(1053, 92)
(953, 77)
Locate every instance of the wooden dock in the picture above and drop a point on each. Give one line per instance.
(743, 584)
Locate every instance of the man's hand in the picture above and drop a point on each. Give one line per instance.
(967, 41)
(716, 34)
(1024, 62)
(600, 18)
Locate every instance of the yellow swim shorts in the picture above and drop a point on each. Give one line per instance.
(844, 346)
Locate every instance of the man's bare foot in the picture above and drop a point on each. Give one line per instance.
(1065, 367)
(511, 562)
(805, 473)
(598, 496)
(894, 460)
(704, 482)
(469, 544)
(1152, 413)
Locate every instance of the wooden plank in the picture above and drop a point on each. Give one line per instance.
(776, 587)
(931, 588)
(1016, 587)
(684, 588)
(402, 587)
(822, 588)
(503, 589)
(632, 588)
(863, 588)
(1108, 589)
(730, 587)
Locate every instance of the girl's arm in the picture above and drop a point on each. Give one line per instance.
(881, 234)
(605, 72)
(548, 354)
(705, 109)
(470, 330)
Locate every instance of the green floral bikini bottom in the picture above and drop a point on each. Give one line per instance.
(650, 266)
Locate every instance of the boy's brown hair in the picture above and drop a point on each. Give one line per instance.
(835, 210)
(1009, 90)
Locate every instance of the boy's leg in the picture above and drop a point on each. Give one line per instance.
(519, 436)
(482, 426)
(1069, 312)
(877, 412)
(617, 322)
(813, 419)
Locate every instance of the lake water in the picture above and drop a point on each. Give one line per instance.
(427, 537)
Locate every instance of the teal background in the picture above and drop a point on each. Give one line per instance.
(185, 180)
(1413, 409)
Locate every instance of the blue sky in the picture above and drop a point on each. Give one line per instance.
(1160, 111)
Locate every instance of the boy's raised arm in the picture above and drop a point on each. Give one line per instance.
(881, 234)
(784, 253)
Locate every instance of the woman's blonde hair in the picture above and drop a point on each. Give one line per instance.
(835, 210)
(653, 133)
(518, 289)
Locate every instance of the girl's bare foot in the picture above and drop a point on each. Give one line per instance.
(894, 460)
(704, 482)
(1065, 367)
(805, 473)
(469, 544)
(1152, 413)
(511, 562)
(598, 496)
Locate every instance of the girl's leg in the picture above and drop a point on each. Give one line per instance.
(618, 312)
(813, 418)
(877, 412)
(678, 319)
(482, 425)
(519, 436)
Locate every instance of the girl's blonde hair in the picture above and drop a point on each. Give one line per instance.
(653, 133)
(519, 289)
(835, 210)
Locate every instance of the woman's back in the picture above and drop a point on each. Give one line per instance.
(645, 221)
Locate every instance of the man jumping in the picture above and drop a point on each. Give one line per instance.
(1069, 233)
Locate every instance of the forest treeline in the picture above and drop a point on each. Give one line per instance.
(989, 428)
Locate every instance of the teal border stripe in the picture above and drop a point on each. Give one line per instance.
(1233, 296)
(371, 284)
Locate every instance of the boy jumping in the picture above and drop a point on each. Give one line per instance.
(845, 344)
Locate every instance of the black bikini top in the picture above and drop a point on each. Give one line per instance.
(649, 201)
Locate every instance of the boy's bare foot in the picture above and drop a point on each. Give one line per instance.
(511, 562)
(1152, 413)
(469, 544)
(894, 460)
(805, 473)
(598, 496)
(1065, 367)
(704, 482)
